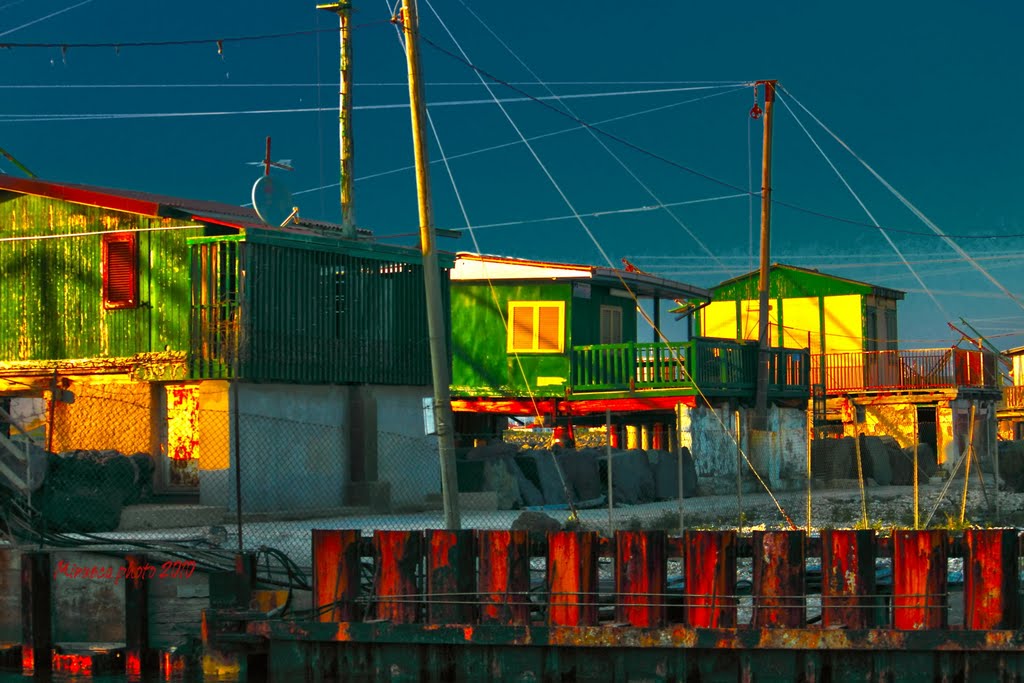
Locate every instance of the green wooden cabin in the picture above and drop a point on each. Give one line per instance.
(527, 330)
(127, 281)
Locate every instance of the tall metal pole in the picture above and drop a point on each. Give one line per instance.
(344, 11)
(431, 274)
(760, 420)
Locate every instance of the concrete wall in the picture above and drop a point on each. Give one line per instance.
(91, 610)
(896, 416)
(406, 457)
(293, 447)
(10, 596)
(710, 434)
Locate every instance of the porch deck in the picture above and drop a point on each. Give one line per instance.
(902, 370)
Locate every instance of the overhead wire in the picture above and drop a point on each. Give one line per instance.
(558, 469)
(597, 244)
(860, 202)
(513, 143)
(688, 169)
(646, 188)
(38, 118)
(40, 19)
(913, 209)
(472, 234)
(592, 214)
(218, 42)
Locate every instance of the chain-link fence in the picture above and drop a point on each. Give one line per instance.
(231, 466)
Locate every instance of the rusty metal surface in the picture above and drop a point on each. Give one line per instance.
(336, 573)
(847, 578)
(504, 580)
(710, 578)
(919, 565)
(640, 578)
(451, 561)
(779, 579)
(572, 578)
(991, 579)
(676, 636)
(397, 559)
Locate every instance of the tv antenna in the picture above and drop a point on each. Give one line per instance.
(270, 196)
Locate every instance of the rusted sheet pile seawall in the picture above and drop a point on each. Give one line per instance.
(710, 605)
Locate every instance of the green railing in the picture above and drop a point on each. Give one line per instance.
(715, 366)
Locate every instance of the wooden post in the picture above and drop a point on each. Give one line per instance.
(36, 631)
(760, 417)
(967, 466)
(431, 275)
(136, 615)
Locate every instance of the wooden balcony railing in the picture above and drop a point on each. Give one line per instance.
(899, 370)
(714, 366)
(1013, 398)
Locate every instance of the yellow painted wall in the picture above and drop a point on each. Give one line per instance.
(719, 319)
(214, 425)
(844, 324)
(109, 413)
(802, 316)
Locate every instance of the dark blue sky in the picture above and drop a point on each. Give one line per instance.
(927, 93)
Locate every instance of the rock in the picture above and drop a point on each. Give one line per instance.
(530, 520)
(500, 479)
(664, 468)
(875, 460)
(632, 478)
(582, 472)
(85, 491)
(540, 468)
(834, 458)
(1011, 464)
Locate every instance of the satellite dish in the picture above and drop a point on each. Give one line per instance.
(272, 200)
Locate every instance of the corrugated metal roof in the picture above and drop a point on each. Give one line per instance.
(153, 204)
(642, 284)
(883, 291)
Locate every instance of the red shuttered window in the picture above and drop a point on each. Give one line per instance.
(120, 270)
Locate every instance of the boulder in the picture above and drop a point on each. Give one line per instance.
(834, 458)
(536, 522)
(875, 460)
(664, 467)
(582, 472)
(1011, 464)
(540, 468)
(84, 491)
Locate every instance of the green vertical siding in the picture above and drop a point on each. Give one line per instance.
(481, 364)
(51, 304)
(295, 313)
(586, 320)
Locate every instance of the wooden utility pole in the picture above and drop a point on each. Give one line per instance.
(344, 12)
(760, 421)
(431, 274)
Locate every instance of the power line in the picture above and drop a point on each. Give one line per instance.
(218, 42)
(379, 84)
(687, 169)
(37, 118)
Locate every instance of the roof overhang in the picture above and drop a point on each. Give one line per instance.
(480, 267)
